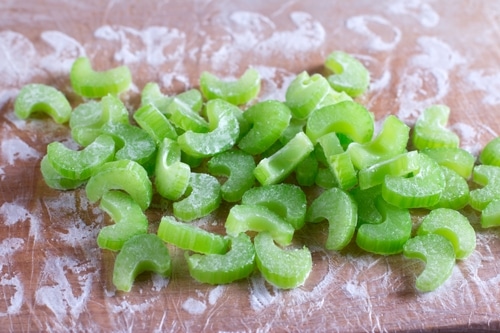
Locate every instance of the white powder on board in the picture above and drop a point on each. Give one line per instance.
(194, 306)
(14, 149)
(65, 50)
(421, 11)
(15, 300)
(361, 24)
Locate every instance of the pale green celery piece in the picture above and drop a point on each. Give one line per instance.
(277, 167)
(224, 131)
(490, 155)
(456, 193)
(294, 127)
(307, 170)
(306, 93)
(391, 141)
(283, 268)
(182, 115)
(141, 253)
(192, 238)
(329, 144)
(286, 200)
(430, 129)
(128, 217)
(490, 215)
(452, 225)
(37, 97)
(487, 176)
(204, 197)
(80, 164)
(389, 236)
(54, 179)
(237, 166)
(238, 263)
(439, 257)
(399, 166)
(236, 92)
(171, 175)
(457, 159)
(269, 119)
(125, 175)
(325, 178)
(340, 210)
(423, 190)
(343, 170)
(347, 117)
(367, 210)
(350, 75)
(150, 119)
(259, 218)
(151, 94)
(93, 84)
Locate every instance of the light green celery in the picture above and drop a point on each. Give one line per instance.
(488, 177)
(456, 193)
(185, 118)
(430, 129)
(343, 170)
(151, 94)
(350, 75)
(490, 215)
(171, 175)
(490, 155)
(307, 170)
(150, 119)
(325, 178)
(236, 92)
(454, 158)
(367, 209)
(54, 179)
(295, 126)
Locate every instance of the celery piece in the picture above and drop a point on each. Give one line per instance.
(487, 176)
(204, 197)
(171, 175)
(184, 112)
(150, 119)
(439, 257)
(343, 170)
(347, 117)
(37, 97)
(242, 218)
(490, 155)
(295, 126)
(283, 268)
(454, 158)
(277, 167)
(286, 200)
(456, 192)
(420, 191)
(269, 119)
(151, 94)
(236, 92)
(93, 84)
(190, 237)
(325, 178)
(307, 170)
(490, 215)
(125, 175)
(224, 131)
(340, 210)
(430, 129)
(367, 209)
(80, 164)
(350, 75)
(54, 179)
(139, 254)
(452, 225)
(238, 263)
(238, 167)
(129, 220)
(389, 236)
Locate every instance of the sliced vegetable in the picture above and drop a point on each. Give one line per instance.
(150, 119)
(55, 180)
(37, 97)
(350, 75)
(487, 176)
(430, 129)
(456, 159)
(236, 92)
(171, 175)
(490, 155)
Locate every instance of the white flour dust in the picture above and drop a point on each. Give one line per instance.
(10, 283)
(385, 40)
(421, 11)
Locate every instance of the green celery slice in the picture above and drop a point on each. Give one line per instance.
(367, 209)
(490, 155)
(307, 170)
(171, 175)
(325, 178)
(150, 119)
(236, 92)
(350, 75)
(151, 94)
(184, 112)
(488, 176)
(490, 215)
(295, 126)
(456, 193)
(54, 179)
(454, 158)
(430, 129)
(342, 168)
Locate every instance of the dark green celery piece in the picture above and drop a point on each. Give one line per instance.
(190, 237)
(151, 94)
(54, 179)
(340, 210)
(439, 257)
(171, 175)
(367, 210)
(307, 170)
(242, 218)
(37, 97)
(125, 175)
(277, 167)
(283, 268)
(350, 75)
(456, 192)
(204, 197)
(286, 200)
(452, 225)
(487, 176)
(93, 84)
(457, 159)
(129, 220)
(238, 167)
(295, 126)
(388, 236)
(238, 263)
(490, 155)
(490, 215)
(141, 253)
(420, 191)
(269, 119)
(184, 112)
(150, 119)
(236, 92)
(80, 164)
(430, 129)
(325, 178)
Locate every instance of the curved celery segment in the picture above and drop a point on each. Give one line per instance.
(129, 220)
(37, 97)
(238, 263)
(150, 119)
(389, 236)
(487, 176)
(171, 175)
(490, 215)
(141, 253)
(93, 84)
(439, 257)
(80, 164)
(325, 178)
(278, 166)
(456, 159)
(283, 268)
(490, 155)
(294, 127)
(242, 218)
(125, 175)
(190, 237)
(367, 209)
(184, 112)
(54, 179)
(430, 129)
(340, 210)
(286, 200)
(238, 167)
(307, 170)
(236, 92)
(204, 198)
(456, 192)
(453, 226)
(350, 75)
(151, 94)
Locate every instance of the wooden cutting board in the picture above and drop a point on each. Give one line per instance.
(53, 277)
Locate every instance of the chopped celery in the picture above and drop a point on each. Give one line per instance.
(150, 119)
(350, 75)
(307, 170)
(54, 179)
(151, 94)
(184, 112)
(490, 155)
(237, 92)
(430, 129)
(490, 215)
(367, 209)
(456, 159)
(171, 175)
(488, 176)
(456, 192)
